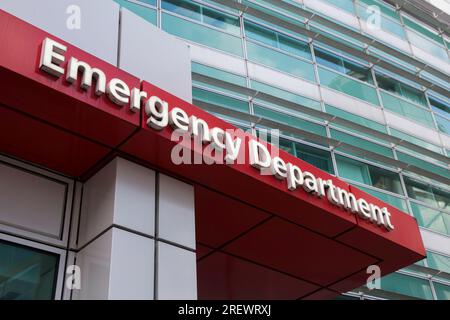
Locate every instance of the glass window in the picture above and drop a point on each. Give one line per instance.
(425, 165)
(426, 193)
(343, 4)
(203, 14)
(438, 262)
(280, 61)
(417, 141)
(358, 120)
(429, 218)
(442, 291)
(277, 40)
(407, 109)
(407, 285)
(142, 11)
(348, 86)
(290, 121)
(360, 143)
(219, 100)
(368, 174)
(440, 106)
(285, 95)
(202, 34)
(26, 273)
(343, 65)
(388, 198)
(401, 89)
(314, 156)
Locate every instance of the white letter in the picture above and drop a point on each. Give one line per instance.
(364, 209)
(118, 92)
(156, 110)
(136, 97)
(199, 129)
(233, 147)
(387, 216)
(373, 282)
(278, 168)
(310, 182)
(52, 57)
(217, 138)
(257, 159)
(294, 176)
(179, 119)
(88, 73)
(73, 280)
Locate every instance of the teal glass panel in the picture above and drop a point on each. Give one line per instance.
(440, 107)
(385, 9)
(417, 141)
(361, 143)
(182, 7)
(401, 89)
(219, 100)
(429, 218)
(407, 109)
(290, 121)
(26, 273)
(442, 291)
(345, 5)
(280, 61)
(428, 46)
(142, 11)
(203, 14)
(438, 262)
(392, 200)
(423, 164)
(220, 75)
(278, 40)
(358, 120)
(202, 34)
(286, 95)
(343, 65)
(319, 158)
(443, 124)
(407, 285)
(368, 174)
(427, 32)
(348, 86)
(150, 2)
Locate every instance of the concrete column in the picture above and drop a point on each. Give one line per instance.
(136, 237)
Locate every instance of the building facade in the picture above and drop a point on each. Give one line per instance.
(357, 88)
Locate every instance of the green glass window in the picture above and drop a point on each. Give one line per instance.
(430, 218)
(142, 11)
(203, 14)
(442, 291)
(407, 285)
(290, 121)
(277, 40)
(26, 273)
(438, 262)
(343, 65)
(358, 120)
(426, 193)
(285, 95)
(360, 143)
(219, 100)
(407, 109)
(368, 174)
(314, 156)
(348, 86)
(220, 75)
(425, 165)
(401, 89)
(343, 4)
(441, 109)
(417, 141)
(280, 61)
(388, 198)
(202, 34)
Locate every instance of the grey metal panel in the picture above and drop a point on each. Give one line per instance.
(98, 32)
(155, 56)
